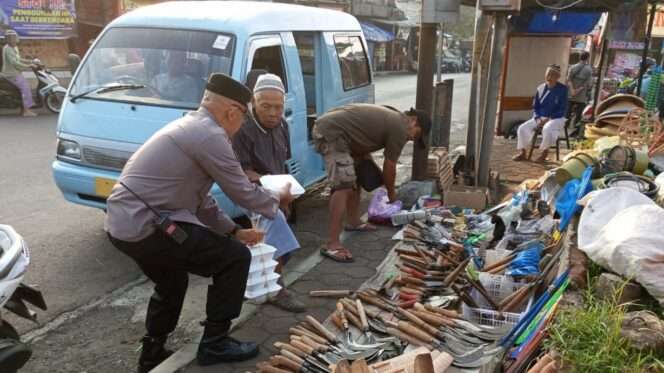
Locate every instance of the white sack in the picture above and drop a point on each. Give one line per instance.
(626, 240)
(601, 206)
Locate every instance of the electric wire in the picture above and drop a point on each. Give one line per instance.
(573, 4)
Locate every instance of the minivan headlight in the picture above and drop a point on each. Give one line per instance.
(69, 149)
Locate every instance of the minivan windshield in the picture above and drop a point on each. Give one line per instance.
(160, 66)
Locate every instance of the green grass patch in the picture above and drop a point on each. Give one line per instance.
(588, 340)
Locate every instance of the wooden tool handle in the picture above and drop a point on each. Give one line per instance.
(342, 315)
(430, 318)
(405, 337)
(444, 312)
(517, 301)
(336, 320)
(370, 299)
(353, 320)
(303, 347)
(314, 344)
(321, 329)
(419, 322)
(304, 332)
(282, 361)
(286, 347)
(349, 305)
(292, 356)
(330, 293)
(267, 368)
(449, 280)
(363, 315)
(416, 332)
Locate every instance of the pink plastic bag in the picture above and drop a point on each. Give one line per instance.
(380, 209)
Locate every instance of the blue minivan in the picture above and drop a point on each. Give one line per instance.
(149, 67)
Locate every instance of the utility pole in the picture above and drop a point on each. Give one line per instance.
(433, 13)
(491, 105)
(424, 98)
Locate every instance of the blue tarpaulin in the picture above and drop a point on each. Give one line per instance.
(565, 22)
(376, 34)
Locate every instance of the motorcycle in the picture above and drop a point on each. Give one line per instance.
(14, 261)
(49, 91)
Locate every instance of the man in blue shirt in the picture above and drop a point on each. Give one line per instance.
(549, 107)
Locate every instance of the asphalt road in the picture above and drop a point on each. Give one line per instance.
(72, 261)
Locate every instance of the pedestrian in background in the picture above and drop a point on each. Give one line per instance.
(12, 68)
(549, 109)
(580, 83)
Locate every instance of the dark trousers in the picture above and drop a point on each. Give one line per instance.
(168, 264)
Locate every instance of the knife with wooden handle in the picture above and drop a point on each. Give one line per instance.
(267, 368)
(282, 361)
(323, 330)
(405, 337)
(286, 347)
(363, 316)
(304, 332)
(418, 322)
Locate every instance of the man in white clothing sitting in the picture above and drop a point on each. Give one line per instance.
(550, 109)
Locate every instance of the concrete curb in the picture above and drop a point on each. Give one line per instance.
(187, 353)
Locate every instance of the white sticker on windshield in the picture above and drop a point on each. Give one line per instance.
(221, 42)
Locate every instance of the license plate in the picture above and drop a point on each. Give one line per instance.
(103, 186)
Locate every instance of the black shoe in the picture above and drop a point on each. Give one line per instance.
(153, 353)
(224, 349)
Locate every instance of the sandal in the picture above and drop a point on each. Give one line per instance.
(364, 227)
(341, 254)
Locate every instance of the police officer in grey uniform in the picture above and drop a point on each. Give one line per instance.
(171, 175)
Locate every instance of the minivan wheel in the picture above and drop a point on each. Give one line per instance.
(13, 353)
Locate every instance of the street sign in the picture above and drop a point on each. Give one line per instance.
(440, 11)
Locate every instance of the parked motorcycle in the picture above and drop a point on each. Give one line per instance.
(14, 261)
(49, 91)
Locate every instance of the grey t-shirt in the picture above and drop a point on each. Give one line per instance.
(366, 128)
(581, 76)
(174, 171)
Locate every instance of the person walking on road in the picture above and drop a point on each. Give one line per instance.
(349, 134)
(549, 109)
(580, 83)
(263, 146)
(173, 173)
(12, 68)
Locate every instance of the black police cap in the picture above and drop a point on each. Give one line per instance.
(226, 86)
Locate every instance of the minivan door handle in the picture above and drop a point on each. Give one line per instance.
(288, 112)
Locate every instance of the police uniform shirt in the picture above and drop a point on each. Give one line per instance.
(174, 171)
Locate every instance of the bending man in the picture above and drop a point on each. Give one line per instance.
(348, 134)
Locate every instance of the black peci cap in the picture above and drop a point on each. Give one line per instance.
(226, 86)
(423, 121)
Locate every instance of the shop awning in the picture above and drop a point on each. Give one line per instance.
(565, 22)
(376, 34)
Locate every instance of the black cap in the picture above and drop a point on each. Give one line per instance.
(226, 86)
(423, 121)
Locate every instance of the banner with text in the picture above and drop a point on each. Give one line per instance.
(39, 19)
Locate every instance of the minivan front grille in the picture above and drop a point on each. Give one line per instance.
(107, 158)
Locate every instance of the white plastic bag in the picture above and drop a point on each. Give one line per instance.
(623, 233)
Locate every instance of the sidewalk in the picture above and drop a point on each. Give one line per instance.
(270, 324)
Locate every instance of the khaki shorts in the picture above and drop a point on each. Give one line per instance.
(339, 164)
